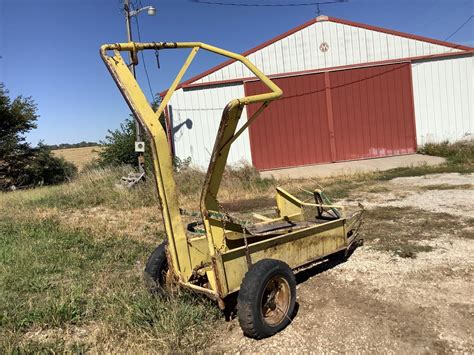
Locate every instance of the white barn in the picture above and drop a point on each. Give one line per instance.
(382, 93)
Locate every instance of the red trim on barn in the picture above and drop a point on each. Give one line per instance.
(250, 51)
(400, 34)
(330, 114)
(342, 67)
(190, 81)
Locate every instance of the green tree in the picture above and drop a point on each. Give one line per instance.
(20, 164)
(47, 169)
(118, 148)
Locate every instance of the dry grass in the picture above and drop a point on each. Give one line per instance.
(71, 262)
(72, 256)
(79, 156)
(71, 277)
(458, 153)
(405, 231)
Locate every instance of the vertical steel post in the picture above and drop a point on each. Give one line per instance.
(138, 127)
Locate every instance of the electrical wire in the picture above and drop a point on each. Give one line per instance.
(459, 28)
(315, 3)
(256, 5)
(144, 62)
(451, 35)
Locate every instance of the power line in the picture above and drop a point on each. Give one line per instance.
(460, 27)
(451, 35)
(144, 62)
(315, 3)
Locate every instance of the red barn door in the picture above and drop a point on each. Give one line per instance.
(335, 116)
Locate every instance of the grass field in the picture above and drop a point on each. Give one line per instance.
(72, 257)
(78, 156)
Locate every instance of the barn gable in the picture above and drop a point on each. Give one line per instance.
(327, 42)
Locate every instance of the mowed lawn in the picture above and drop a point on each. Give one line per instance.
(79, 156)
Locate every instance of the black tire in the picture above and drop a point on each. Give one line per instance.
(259, 316)
(156, 269)
(338, 257)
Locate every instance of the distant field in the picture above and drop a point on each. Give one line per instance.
(78, 156)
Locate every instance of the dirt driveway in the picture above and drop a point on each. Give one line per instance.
(381, 300)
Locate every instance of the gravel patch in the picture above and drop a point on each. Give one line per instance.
(377, 302)
(435, 179)
(455, 202)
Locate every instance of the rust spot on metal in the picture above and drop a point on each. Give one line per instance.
(216, 275)
(171, 275)
(221, 303)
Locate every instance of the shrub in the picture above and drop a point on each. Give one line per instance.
(46, 169)
(20, 164)
(119, 146)
(457, 153)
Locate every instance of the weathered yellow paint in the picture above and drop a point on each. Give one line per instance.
(180, 251)
(162, 163)
(288, 205)
(296, 249)
(199, 251)
(219, 255)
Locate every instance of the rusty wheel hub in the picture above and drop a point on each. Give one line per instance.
(275, 301)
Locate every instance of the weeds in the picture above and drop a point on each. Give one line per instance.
(456, 153)
(237, 182)
(98, 187)
(448, 187)
(403, 231)
(423, 170)
(54, 278)
(60, 276)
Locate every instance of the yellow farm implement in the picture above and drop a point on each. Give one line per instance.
(225, 257)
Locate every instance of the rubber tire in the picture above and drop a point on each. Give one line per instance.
(250, 295)
(339, 257)
(155, 270)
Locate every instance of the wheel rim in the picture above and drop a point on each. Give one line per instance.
(275, 300)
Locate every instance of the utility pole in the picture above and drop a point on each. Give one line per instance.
(139, 144)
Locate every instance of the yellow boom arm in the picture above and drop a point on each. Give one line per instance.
(178, 244)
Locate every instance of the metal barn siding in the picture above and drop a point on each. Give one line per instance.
(335, 116)
(293, 130)
(444, 98)
(195, 116)
(348, 44)
(373, 112)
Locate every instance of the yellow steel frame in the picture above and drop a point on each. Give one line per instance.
(219, 256)
(182, 261)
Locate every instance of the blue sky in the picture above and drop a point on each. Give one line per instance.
(49, 48)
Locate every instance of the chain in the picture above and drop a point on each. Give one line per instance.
(157, 56)
(247, 253)
(226, 217)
